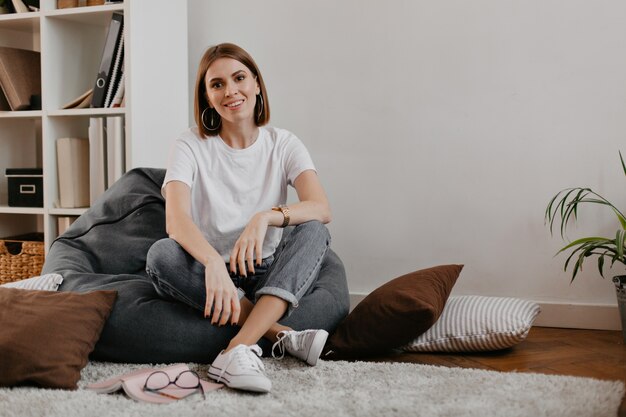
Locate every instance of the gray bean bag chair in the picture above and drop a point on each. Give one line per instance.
(105, 249)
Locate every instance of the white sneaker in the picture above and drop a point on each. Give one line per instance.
(306, 344)
(241, 368)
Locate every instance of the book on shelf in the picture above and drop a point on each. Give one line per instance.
(133, 384)
(109, 53)
(73, 172)
(20, 76)
(115, 149)
(97, 159)
(107, 153)
(64, 223)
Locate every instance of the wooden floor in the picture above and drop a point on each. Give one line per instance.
(591, 353)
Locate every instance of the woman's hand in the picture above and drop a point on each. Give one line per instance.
(249, 246)
(221, 294)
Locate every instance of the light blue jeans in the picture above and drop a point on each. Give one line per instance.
(287, 274)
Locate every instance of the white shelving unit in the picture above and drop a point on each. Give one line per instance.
(70, 42)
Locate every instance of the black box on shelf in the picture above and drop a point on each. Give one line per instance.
(25, 187)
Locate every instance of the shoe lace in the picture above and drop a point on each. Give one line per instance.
(280, 344)
(295, 339)
(247, 357)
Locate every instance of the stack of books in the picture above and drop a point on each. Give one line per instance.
(86, 167)
(107, 153)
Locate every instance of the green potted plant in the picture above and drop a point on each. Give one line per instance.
(563, 207)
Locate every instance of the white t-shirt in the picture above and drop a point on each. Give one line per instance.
(228, 186)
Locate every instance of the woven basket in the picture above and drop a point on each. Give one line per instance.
(21, 257)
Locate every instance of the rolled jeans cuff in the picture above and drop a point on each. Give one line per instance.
(282, 294)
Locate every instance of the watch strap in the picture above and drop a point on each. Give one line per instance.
(285, 210)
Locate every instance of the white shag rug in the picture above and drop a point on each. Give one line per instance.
(341, 389)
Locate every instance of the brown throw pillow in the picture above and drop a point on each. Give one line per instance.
(46, 336)
(394, 314)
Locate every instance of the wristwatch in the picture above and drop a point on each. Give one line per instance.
(285, 210)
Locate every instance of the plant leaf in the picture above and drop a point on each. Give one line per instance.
(585, 240)
(565, 204)
(579, 197)
(564, 199)
(552, 211)
(621, 218)
(601, 200)
(586, 248)
(571, 255)
(565, 209)
(618, 213)
(548, 214)
(581, 248)
(619, 243)
(572, 208)
(586, 252)
(577, 266)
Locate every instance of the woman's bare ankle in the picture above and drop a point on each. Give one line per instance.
(236, 341)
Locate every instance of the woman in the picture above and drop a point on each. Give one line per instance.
(225, 190)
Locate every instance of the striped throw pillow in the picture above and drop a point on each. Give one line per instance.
(47, 282)
(474, 323)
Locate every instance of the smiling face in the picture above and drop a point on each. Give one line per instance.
(231, 90)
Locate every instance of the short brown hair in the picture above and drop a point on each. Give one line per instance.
(226, 50)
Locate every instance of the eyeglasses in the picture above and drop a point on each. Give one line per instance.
(159, 380)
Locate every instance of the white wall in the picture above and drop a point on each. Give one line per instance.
(441, 129)
(158, 92)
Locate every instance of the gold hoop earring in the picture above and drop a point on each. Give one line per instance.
(212, 123)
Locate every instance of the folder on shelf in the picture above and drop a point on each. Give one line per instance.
(118, 97)
(105, 71)
(20, 76)
(97, 159)
(115, 149)
(73, 172)
(116, 72)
